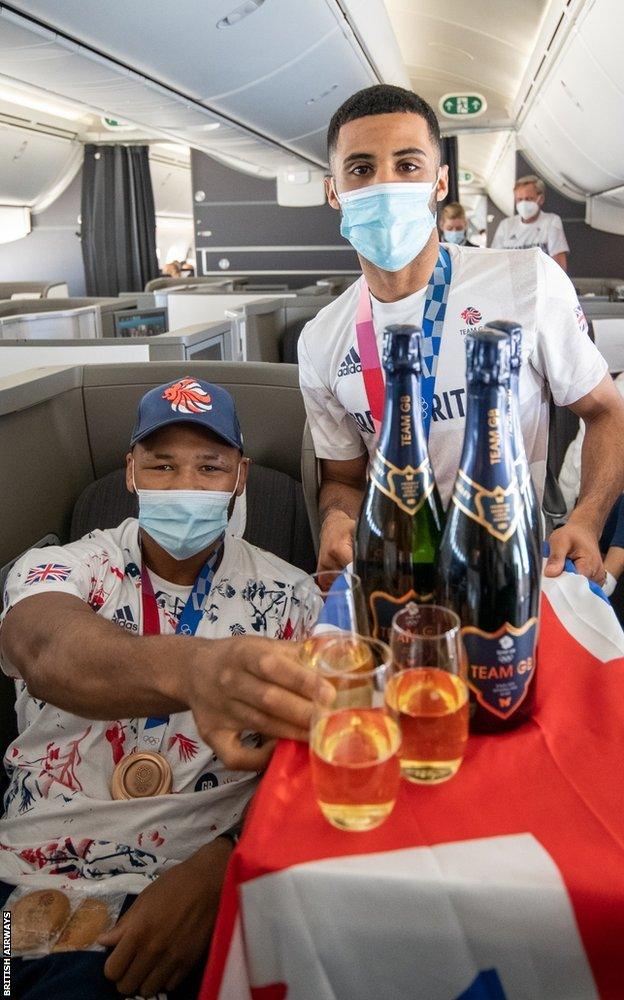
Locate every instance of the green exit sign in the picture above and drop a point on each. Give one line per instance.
(462, 105)
(115, 124)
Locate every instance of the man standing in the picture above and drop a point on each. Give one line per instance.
(531, 227)
(386, 177)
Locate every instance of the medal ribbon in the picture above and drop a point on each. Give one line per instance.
(152, 730)
(430, 342)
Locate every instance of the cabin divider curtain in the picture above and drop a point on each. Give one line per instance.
(450, 156)
(118, 220)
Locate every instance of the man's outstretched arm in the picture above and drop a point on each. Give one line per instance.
(86, 665)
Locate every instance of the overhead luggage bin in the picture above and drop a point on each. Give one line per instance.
(270, 110)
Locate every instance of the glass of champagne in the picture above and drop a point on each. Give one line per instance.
(354, 742)
(323, 605)
(428, 691)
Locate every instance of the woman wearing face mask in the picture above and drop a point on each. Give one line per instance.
(387, 177)
(453, 225)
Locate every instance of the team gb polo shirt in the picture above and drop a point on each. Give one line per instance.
(525, 286)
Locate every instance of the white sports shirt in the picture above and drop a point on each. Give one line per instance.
(526, 287)
(60, 819)
(546, 232)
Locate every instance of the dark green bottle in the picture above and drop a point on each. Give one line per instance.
(489, 569)
(400, 524)
(532, 513)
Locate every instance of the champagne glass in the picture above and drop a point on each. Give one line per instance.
(428, 690)
(355, 741)
(323, 605)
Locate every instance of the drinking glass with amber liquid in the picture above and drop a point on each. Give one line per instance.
(324, 605)
(428, 692)
(354, 742)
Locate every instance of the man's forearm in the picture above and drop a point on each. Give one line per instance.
(339, 498)
(89, 666)
(602, 471)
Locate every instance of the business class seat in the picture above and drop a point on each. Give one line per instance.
(165, 283)
(16, 290)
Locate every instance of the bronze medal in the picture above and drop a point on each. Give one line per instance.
(141, 775)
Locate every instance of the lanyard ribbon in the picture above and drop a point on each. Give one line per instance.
(152, 730)
(430, 342)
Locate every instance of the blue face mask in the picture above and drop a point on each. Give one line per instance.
(184, 522)
(454, 236)
(388, 224)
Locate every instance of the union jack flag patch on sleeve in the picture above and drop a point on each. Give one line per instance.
(47, 573)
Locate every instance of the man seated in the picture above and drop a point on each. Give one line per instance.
(130, 768)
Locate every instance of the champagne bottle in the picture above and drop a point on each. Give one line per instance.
(400, 524)
(489, 570)
(531, 507)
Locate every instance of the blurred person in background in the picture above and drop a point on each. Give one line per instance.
(453, 225)
(173, 269)
(532, 227)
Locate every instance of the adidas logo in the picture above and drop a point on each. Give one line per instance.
(125, 619)
(351, 364)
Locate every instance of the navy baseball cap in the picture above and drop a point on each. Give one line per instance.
(188, 401)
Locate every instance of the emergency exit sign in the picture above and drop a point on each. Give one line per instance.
(462, 105)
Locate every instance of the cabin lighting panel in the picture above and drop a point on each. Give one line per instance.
(30, 99)
(236, 15)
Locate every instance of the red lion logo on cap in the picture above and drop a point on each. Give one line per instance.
(187, 396)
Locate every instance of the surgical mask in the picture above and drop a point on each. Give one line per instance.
(527, 209)
(454, 235)
(388, 224)
(184, 522)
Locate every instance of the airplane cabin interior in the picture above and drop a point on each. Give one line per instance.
(168, 221)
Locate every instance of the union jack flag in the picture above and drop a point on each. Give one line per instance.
(580, 319)
(471, 316)
(47, 573)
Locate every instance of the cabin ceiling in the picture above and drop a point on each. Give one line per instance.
(258, 93)
(450, 46)
(260, 90)
(482, 47)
